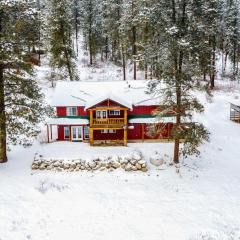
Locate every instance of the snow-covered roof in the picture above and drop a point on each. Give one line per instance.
(153, 120)
(68, 121)
(87, 94)
(102, 98)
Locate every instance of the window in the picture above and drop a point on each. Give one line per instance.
(86, 132)
(72, 111)
(114, 112)
(98, 114)
(104, 131)
(66, 132)
(108, 131)
(101, 114)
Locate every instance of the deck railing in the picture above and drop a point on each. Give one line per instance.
(108, 121)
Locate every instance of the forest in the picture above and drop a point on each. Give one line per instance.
(119, 119)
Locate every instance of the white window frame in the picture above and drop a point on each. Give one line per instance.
(104, 131)
(70, 111)
(99, 114)
(66, 127)
(112, 131)
(84, 132)
(114, 112)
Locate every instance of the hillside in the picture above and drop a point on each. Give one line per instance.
(200, 202)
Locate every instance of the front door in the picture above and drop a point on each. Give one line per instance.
(77, 133)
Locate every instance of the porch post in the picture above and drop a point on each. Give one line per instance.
(125, 128)
(48, 139)
(91, 137)
(51, 133)
(91, 117)
(143, 133)
(70, 133)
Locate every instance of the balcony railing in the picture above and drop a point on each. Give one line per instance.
(108, 121)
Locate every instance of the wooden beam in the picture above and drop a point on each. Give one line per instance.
(125, 117)
(106, 128)
(108, 108)
(51, 132)
(48, 134)
(125, 137)
(91, 117)
(125, 129)
(91, 137)
(70, 133)
(143, 133)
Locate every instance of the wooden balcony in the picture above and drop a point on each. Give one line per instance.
(107, 122)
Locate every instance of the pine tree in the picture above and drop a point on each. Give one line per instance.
(60, 37)
(231, 32)
(177, 69)
(92, 27)
(21, 107)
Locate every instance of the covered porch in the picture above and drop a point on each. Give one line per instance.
(111, 122)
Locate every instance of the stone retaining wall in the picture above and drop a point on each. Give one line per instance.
(130, 162)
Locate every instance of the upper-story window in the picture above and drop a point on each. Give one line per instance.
(101, 114)
(71, 111)
(114, 112)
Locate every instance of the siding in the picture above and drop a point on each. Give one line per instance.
(62, 111)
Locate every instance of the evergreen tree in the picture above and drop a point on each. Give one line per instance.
(60, 37)
(231, 33)
(177, 69)
(92, 27)
(21, 107)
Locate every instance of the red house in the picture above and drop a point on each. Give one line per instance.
(107, 113)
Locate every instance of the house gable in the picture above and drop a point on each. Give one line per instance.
(106, 103)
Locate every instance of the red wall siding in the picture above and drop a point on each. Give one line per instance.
(145, 110)
(82, 112)
(133, 134)
(61, 111)
(142, 110)
(108, 136)
(136, 133)
(60, 133)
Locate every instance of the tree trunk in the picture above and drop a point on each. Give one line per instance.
(146, 71)
(213, 63)
(134, 47)
(76, 29)
(3, 134)
(106, 48)
(66, 54)
(123, 64)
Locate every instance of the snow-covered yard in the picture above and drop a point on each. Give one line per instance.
(203, 200)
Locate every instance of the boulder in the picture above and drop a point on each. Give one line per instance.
(138, 166)
(116, 165)
(35, 166)
(128, 167)
(156, 160)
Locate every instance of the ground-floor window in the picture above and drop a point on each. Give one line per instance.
(66, 132)
(108, 131)
(86, 132)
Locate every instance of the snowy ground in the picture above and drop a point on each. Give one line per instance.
(202, 201)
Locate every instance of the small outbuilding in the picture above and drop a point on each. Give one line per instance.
(235, 112)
